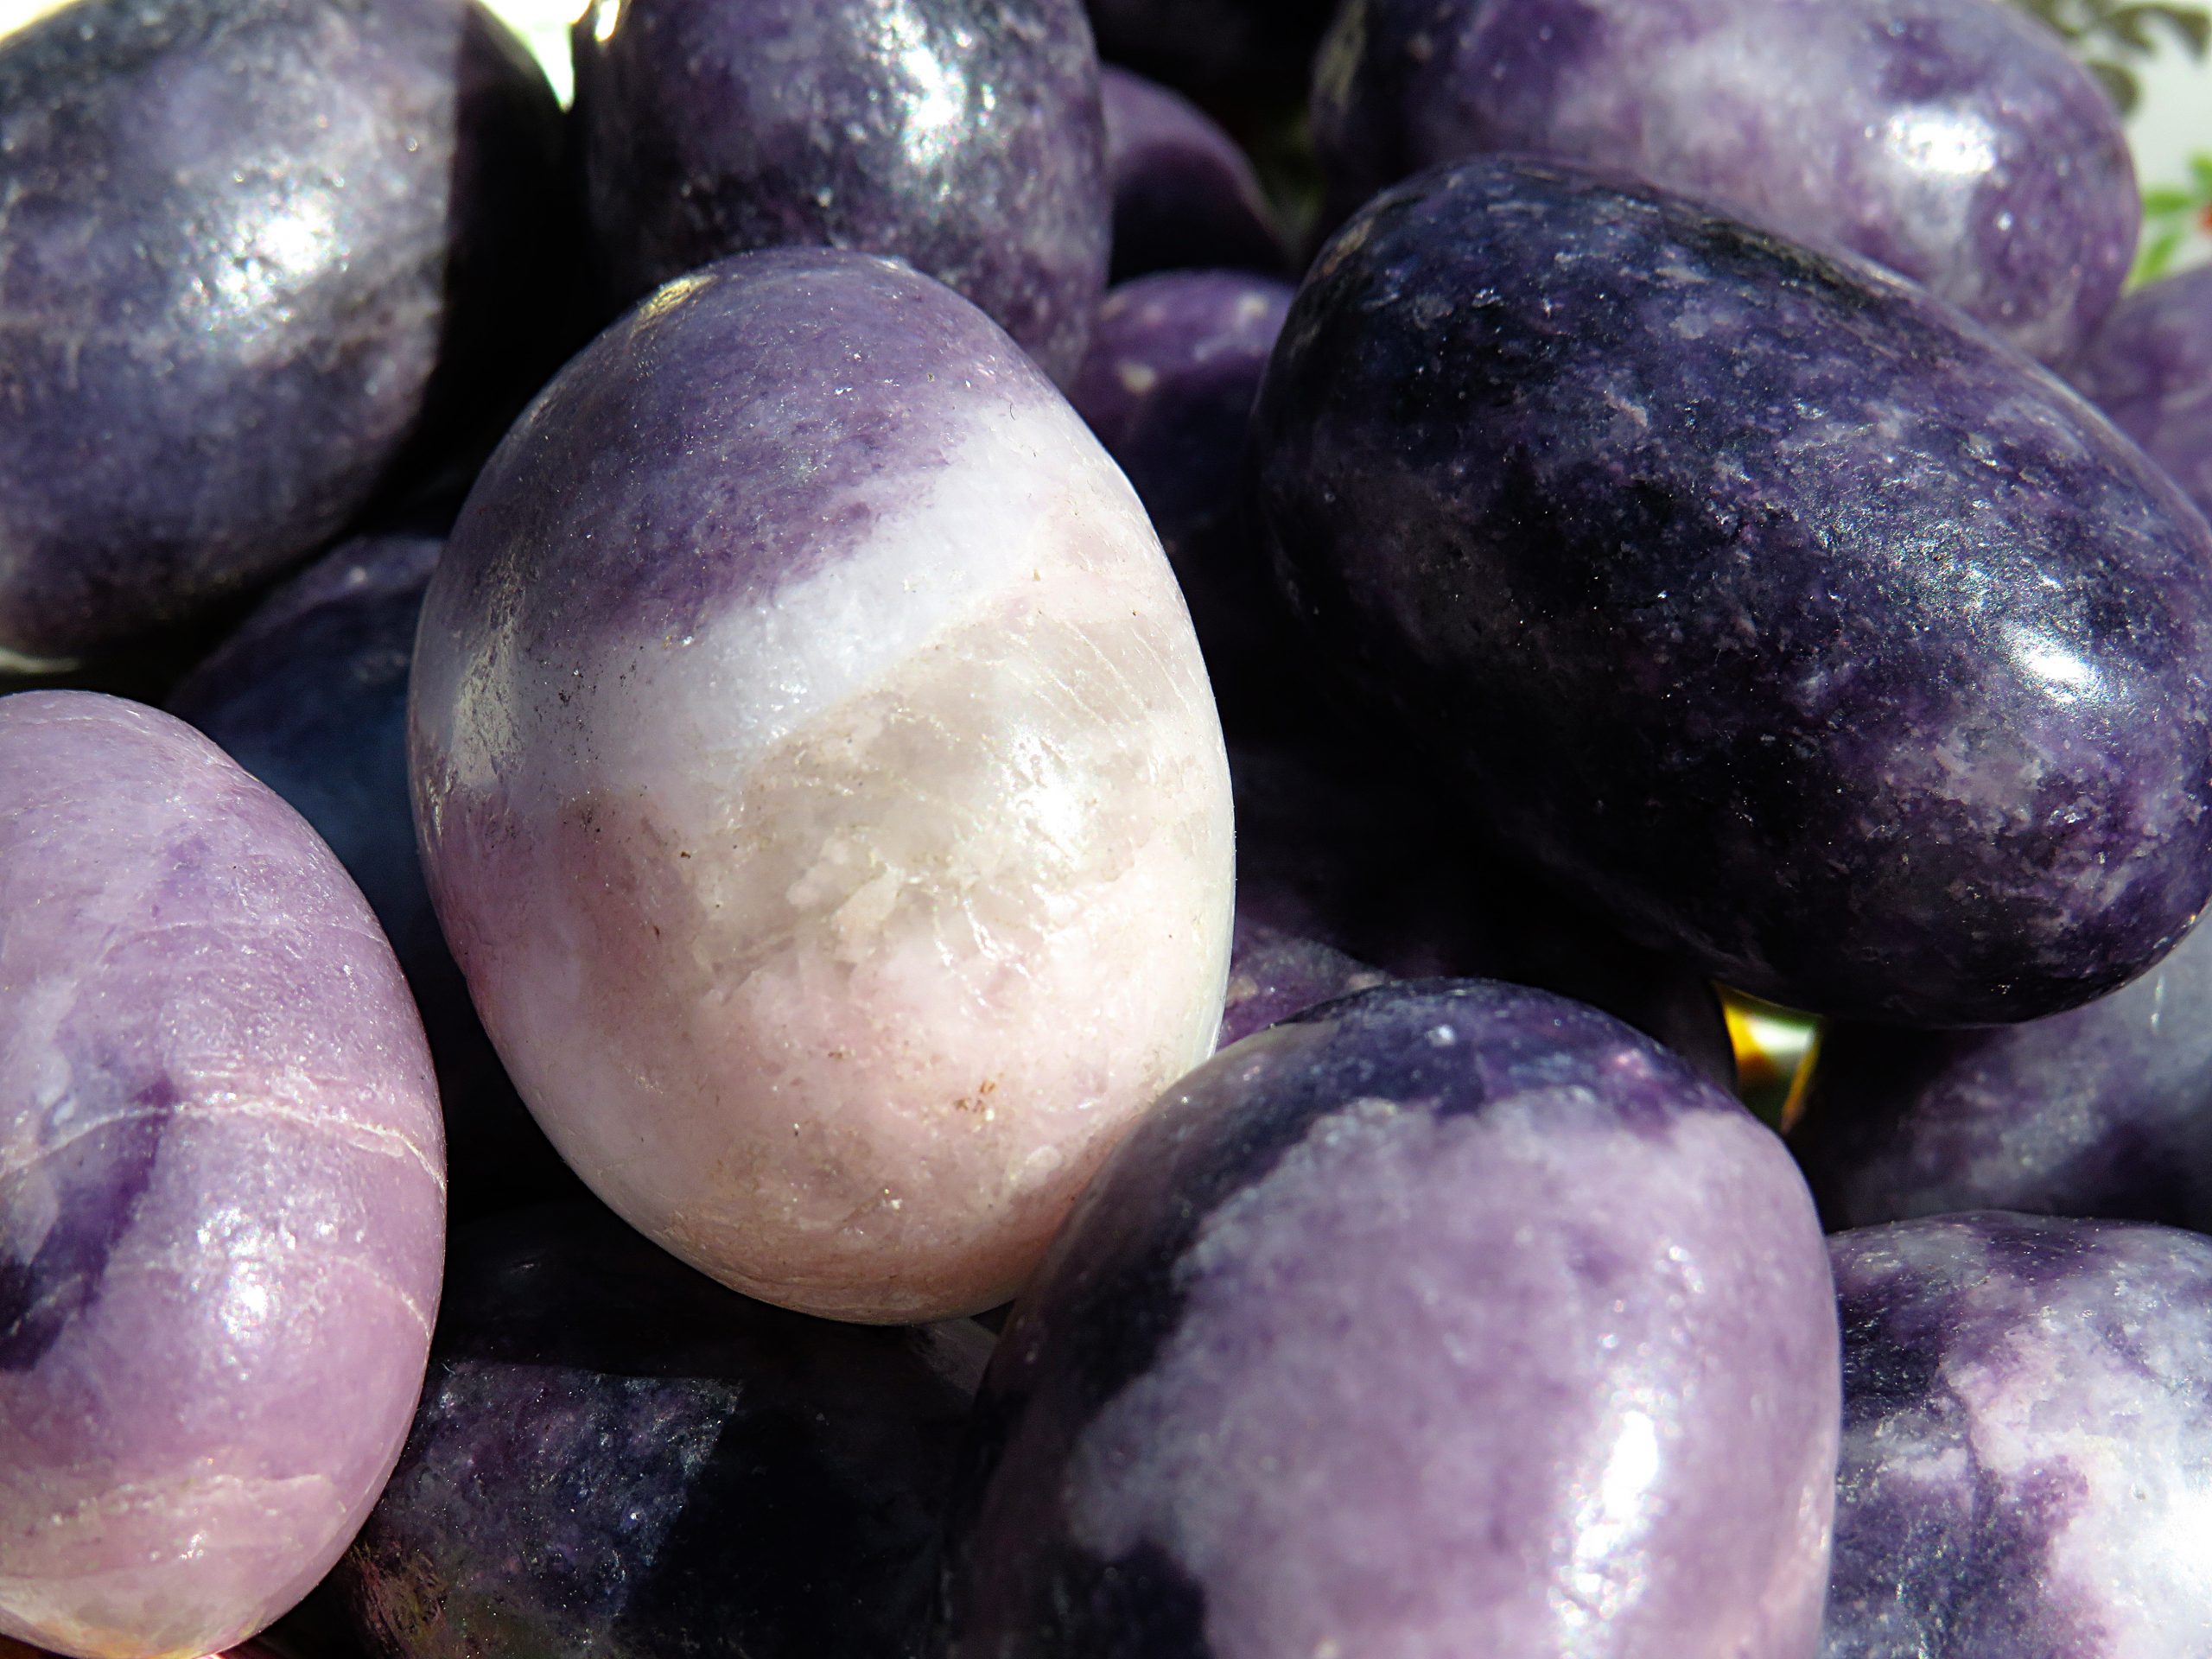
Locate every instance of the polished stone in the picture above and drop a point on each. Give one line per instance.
(2150, 368)
(1184, 195)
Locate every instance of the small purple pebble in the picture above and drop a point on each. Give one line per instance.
(1184, 195)
(2150, 368)
(1274, 975)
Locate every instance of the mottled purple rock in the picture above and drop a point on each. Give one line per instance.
(1184, 195)
(617, 1457)
(1254, 52)
(2027, 1448)
(962, 135)
(1752, 591)
(222, 1191)
(1956, 142)
(1274, 975)
(2150, 368)
(1454, 1318)
(250, 246)
(819, 786)
(310, 696)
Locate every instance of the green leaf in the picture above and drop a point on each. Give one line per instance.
(2131, 27)
(2191, 25)
(2166, 200)
(2119, 86)
(2157, 255)
(2200, 168)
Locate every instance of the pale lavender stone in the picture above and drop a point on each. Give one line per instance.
(1452, 1318)
(222, 1191)
(819, 786)
(1184, 194)
(2150, 368)
(962, 135)
(2027, 1448)
(1956, 142)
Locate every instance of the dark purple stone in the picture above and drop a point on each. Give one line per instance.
(616, 1456)
(1755, 593)
(250, 246)
(1184, 195)
(962, 135)
(1253, 53)
(2150, 368)
(1956, 142)
(1453, 1317)
(1274, 975)
(2027, 1447)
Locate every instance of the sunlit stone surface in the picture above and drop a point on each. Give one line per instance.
(238, 237)
(2027, 1451)
(1184, 194)
(962, 135)
(1454, 1319)
(2150, 368)
(1755, 593)
(1956, 142)
(819, 786)
(222, 1191)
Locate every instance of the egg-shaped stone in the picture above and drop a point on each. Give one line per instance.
(2150, 368)
(1184, 195)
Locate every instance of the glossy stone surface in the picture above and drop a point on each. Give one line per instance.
(310, 696)
(1184, 195)
(1168, 388)
(2150, 368)
(1249, 52)
(222, 1191)
(1956, 142)
(962, 135)
(1752, 593)
(248, 245)
(617, 1457)
(819, 786)
(1274, 975)
(2027, 1448)
(1454, 1318)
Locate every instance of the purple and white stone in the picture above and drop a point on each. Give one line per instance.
(962, 135)
(222, 1191)
(1756, 594)
(819, 786)
(2150, 368)
(2027, 1447)
(1451, 1318)
(1956, 142)
(251, 247)
(1184, 195)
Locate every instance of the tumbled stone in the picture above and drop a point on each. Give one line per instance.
(615, 1456)
(222, 1191)
(962, 135)
(2150, 368)
(1755, 593)
(2027, 1443)
(1184, 195)
(251, 247)
(1452, 1318)
(1274, 975)
(819, 786)
(1956, 142)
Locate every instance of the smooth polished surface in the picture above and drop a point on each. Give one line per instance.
(1454, 1318)
(820, 788)
(245, 243)
(2150, 368)
(1956, 142)
(1759, 597)
(222, 1191)
(617, 1457)
(1184, 195)
(2027, 1448)
(962, 135)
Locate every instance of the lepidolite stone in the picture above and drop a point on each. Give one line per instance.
(250, 245)
(2027, 1448)
(1274, 975)
(222, 1191)
(617, 1457)
(1454, 1318)
(1754, 592)
(819, 786)
(1956, 142)
(1184, 194)
(2150, 368)
(962, 135)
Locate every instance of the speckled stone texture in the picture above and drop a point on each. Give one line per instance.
(2105, 1112)
(2150, 368)
(819, 786)
(1956, 142)
(222, 1191)
(1184, 195)
(309, 694)
(1753, 593)
(1274, 975)
(1454, 1318)
(2027, 1449)
(617, 1457)
(962, 135)
(1253, 53)
(246, 244)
